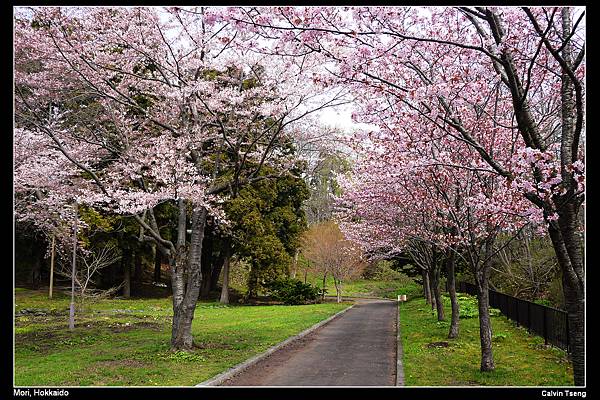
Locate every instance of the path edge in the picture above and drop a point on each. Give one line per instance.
(236, 369)
(399, 366)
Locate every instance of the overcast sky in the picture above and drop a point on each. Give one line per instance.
(341, 117)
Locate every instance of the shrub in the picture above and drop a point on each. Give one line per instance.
(292, 291)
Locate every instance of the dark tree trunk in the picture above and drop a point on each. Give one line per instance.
(157, 264)
(451, 284)
(186, 277)
(137, 269)
(207, 264)
(126, 268)
(112, 276)
(36, 269)
(573, 290)
(482, 275)
(426, 286)
(324, 281)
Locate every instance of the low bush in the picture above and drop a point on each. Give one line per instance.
(292, 291)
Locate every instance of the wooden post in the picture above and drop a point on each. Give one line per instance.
(72, 305)
(51, 267)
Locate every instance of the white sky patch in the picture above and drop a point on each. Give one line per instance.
(341, 118)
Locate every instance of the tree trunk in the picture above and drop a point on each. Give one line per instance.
(52, 250)
(36, 268)
(137, 269)
(186, 278)
(573, 290)
(126, 267)
(439, 303)
(324, 281)
(426, 286)
(338, 289)
(565, 232)
(218, 266)
(482, 275)
(451, 283)
(434, 280)
(157, 264)
(73, 272)
(225, 287)
(295, 265)
(206, 265)
(114, 271)
(430, 282)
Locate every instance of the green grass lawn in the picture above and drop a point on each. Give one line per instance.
(369, 288)
(521, 359)
(126, 342)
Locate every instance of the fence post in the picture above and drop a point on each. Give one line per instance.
(568, 335)
(545, 328)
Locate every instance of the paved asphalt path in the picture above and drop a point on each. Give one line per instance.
(356, 349)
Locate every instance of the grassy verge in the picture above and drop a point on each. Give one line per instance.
(521, 359)
(126, 342)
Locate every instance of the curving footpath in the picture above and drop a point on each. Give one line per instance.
(357, 348)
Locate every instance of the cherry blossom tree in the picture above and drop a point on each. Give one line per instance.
(417, 199)
(507, 83)
(140, 104)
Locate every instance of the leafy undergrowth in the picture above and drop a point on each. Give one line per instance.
(468, 306)
(430, 359)
(126, 342)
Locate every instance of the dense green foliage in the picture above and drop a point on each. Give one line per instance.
(267, 220)
(292, 291)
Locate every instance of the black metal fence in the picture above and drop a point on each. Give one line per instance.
(548, 322)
